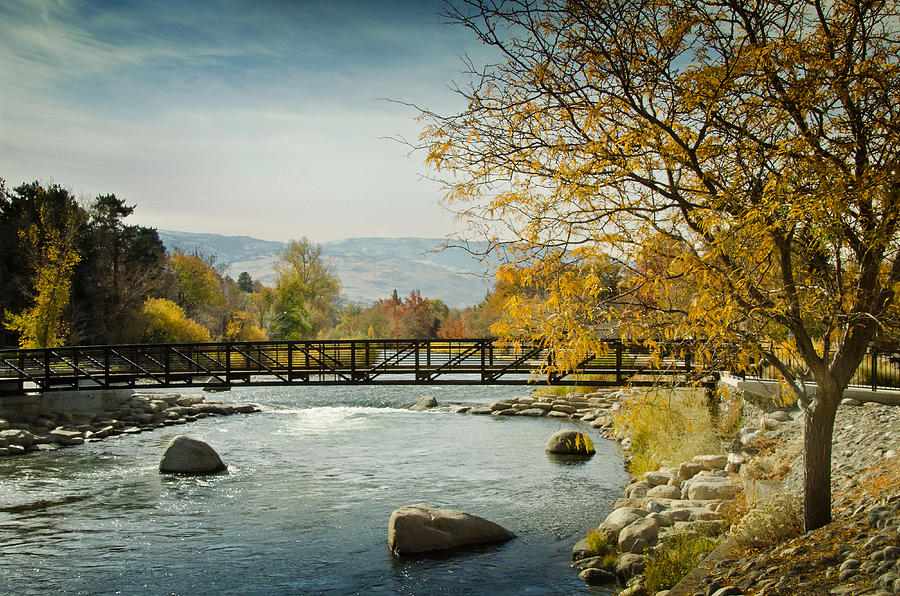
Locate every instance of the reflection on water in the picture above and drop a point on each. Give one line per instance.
(304, 506)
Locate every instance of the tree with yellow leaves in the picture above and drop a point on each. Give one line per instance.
(240, 327)
(53, 248)
(307, 292)
(737, 162)
(163, 321)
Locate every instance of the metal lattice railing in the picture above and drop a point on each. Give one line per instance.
(879, 369)
(327, 362)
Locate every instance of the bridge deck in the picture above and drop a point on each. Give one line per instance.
(457, 362)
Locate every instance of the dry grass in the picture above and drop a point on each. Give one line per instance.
(731, 412)
(667, 426)
(772, 522)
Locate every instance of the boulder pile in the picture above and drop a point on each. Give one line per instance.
(140, 412)
(688, 498)
(594, 408)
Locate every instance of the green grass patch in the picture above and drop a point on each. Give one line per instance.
(679, 554)
(598, 543)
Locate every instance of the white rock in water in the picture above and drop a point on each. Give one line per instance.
(189, 400)
(16, 436)
(619, 519)
(422, 528)
(425, 403)
(185, 455)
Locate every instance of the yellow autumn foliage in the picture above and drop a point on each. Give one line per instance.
(240, 327)
(44, 325)
(165, 322)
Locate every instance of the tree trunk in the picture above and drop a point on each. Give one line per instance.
(817, 430)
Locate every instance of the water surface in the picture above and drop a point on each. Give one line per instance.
(304, 506)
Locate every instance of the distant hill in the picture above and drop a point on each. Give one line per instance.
(369, 268)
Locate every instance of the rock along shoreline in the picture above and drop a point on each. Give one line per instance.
(858, 554)
(141, 411)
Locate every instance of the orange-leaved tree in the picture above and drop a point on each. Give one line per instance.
(736, 161)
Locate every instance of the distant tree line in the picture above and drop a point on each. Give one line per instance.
(77, 274)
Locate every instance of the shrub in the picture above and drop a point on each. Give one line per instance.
(733, 511)
(666, 425)
(731, 413)
(598, 543)
(165, 322)
(772, 522)
(609, 561)
(676, 556)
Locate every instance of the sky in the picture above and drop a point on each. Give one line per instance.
(240, 117)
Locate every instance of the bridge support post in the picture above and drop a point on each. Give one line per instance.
(418, 372)
(228, 363)
(619, 375)
(46, 369)
(290, 362)
(167, 358)
(353, 360)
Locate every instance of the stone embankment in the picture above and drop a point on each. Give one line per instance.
(689, 498)
(858, 554)
(142, 411)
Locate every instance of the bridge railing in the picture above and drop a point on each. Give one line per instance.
(397, 361)
(880, 369)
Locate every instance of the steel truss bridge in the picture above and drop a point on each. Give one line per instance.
(337, 362)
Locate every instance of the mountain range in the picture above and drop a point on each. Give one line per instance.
(369, 268)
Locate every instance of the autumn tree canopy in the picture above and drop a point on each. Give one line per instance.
(737, 162)
(307, 292)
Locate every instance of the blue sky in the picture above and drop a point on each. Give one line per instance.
(256, 117)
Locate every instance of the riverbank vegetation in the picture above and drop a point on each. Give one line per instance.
(678, 555)
(75, 273)
(666, 425)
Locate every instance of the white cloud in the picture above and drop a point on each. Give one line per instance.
(249, 123)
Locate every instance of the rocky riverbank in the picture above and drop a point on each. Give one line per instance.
(49, 431)
(859, 553)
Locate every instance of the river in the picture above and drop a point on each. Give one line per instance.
(304, 505)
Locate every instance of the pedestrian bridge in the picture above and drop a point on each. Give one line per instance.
(332, 362)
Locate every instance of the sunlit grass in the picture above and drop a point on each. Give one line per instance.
(677, 556)
(667, 426)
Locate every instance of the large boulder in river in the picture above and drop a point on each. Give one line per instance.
(426, 403)
(422, 528)
(185, 455)
(570, 442)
